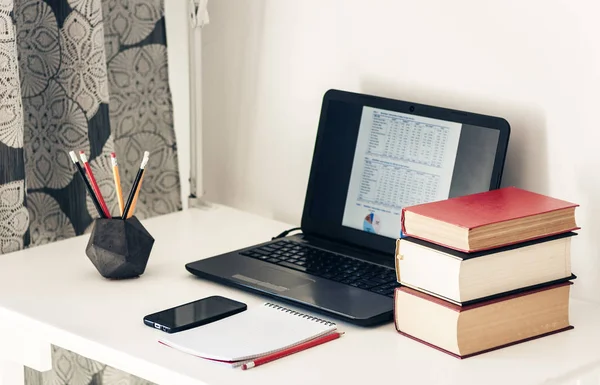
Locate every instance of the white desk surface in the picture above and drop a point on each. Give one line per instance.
(55, 292)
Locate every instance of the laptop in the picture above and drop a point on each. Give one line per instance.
(372, 157)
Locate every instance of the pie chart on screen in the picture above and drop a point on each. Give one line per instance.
(372, 223)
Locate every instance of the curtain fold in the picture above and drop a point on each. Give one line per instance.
(14, 218)
(87, 75)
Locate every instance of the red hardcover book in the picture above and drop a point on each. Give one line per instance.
(484, 326)
(489, 219)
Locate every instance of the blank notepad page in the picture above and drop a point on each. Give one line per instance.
(250, 334)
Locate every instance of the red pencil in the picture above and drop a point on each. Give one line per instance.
(95, 187)
(292, 350)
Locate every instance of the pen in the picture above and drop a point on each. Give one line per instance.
(135, 188)
(87, 183)
(118, 190)
(90, 174)
(292, 350)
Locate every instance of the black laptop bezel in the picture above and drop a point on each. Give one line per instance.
(361, 239)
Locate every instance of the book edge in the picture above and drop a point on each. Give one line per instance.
(570, 327)
(492, 297)
(454, 253)
(566, 205)
(452, 306)
(497, 221)
(471, 251)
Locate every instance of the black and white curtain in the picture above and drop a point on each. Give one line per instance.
(87, 75)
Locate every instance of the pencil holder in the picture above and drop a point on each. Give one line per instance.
(119, 248)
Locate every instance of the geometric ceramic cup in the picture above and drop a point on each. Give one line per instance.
(119, 248)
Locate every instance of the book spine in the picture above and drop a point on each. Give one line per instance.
(397, 258)
(402, 225)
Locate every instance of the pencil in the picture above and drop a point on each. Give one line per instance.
(135, 197)
(90, 175)
(295, 349)
(118, 190)
(87, 183)
(135, 188)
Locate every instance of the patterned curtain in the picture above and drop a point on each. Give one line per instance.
(87, 75)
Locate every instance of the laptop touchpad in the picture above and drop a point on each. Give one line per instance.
(271, 279)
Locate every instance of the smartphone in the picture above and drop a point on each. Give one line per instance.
(193, 314)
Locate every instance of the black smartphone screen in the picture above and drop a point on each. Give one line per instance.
(194, 314)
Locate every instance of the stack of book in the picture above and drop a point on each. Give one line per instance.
(484, 271)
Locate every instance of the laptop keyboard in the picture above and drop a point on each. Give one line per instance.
(336, 267)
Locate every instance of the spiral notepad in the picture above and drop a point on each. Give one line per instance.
(254, 333)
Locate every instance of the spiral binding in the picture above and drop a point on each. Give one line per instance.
(302, 315)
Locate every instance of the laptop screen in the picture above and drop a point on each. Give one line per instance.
(374, 156)
(402, 160)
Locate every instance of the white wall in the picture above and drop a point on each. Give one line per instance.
(176, 20)
(536, 63)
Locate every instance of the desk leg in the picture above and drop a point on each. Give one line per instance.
(11, 373)
(20, 348)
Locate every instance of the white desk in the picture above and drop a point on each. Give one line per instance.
(53, 295)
